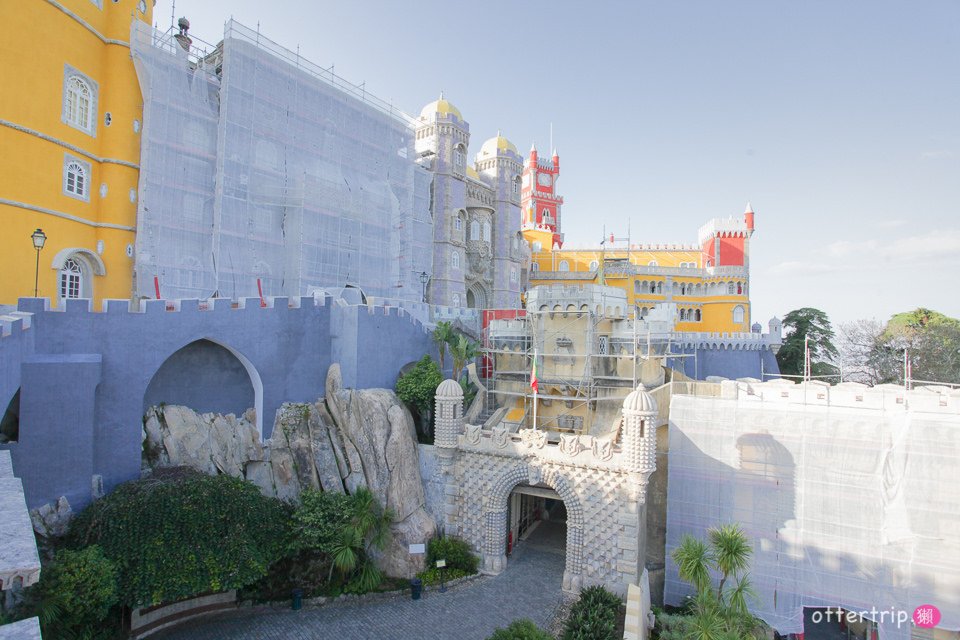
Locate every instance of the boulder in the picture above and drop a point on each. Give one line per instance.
(52, 520)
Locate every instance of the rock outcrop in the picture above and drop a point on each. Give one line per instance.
(349, 440)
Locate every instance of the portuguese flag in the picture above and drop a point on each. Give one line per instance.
(534, 384)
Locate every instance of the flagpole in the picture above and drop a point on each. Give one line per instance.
(536, 387)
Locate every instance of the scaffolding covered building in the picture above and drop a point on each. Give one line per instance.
(264, 174)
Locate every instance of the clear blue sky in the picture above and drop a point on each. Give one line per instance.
(838, 120)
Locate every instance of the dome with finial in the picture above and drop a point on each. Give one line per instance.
(449, 389)
(640, 401)
(441, 107)
(495, 145)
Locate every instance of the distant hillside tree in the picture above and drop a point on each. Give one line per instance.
(814, 324)
(873, 353)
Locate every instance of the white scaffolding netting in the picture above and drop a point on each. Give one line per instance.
(844, 506)
(258, 165)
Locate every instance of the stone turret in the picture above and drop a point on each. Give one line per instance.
(640, 432)
(449, 414)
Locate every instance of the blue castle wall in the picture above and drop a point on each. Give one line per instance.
(84, 376)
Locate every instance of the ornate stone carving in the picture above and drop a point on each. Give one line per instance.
(570, 445)
(533, 438)
(602, 449)
(473, 433)
(500, 437)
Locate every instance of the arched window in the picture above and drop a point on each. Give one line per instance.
(76, 181)
(516, 185)
(739, 288)
(696, 315)
(71, 279)
(458, 223)
(455, 260)
(537, 247)
(683, 315)
(730, 288)
(486, 232)
(564, 265)
(660, 287)
(534, 267)
(459, 156)
(594, 265)
(653, 263)
(79, 102)
(456, 300)
(738, 314)
(475, 230)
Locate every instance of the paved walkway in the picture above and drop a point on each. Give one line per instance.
(528, 588)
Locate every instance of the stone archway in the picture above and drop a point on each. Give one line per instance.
(476, 297)
(495, 520)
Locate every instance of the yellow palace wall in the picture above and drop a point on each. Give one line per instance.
(41, 38)
(717, 309)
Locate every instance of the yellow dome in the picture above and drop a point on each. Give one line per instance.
(442, 107)
(496, 144)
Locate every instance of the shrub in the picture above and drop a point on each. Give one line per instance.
(455, 551)
(593, 616)
(522, 629)
(433, 575)
(318, 520)
(76, 593)
(178, 536)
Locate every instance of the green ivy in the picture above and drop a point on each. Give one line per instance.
(184, 534)
(318, 520)
(418, 386)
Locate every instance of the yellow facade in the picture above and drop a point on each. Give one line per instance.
(46, 44)
(713, 298)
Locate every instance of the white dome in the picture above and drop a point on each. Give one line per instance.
(640, 401)
(449, 389)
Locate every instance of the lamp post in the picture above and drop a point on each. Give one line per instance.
(424, 278)
(38, 237)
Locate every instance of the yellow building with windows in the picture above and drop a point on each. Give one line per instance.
(708, 282)
(71, 113)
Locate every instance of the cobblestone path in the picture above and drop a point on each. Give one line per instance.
(528, 588)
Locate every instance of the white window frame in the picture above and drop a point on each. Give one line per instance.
(456, 300)
(70, 280)
(594, 265)
(80, 169)
(455, 260)
(739, 312)
(563, 266)
(486, 232)
(69, 108)
(459, 156)
(458, 222)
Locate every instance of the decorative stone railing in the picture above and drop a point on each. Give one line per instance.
(585, 450)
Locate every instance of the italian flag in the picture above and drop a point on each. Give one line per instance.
(534, 384)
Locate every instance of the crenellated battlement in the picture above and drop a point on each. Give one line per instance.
(884, 397)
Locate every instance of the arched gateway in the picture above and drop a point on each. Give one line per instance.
(601, 481)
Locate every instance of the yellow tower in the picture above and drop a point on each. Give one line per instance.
(71, 112)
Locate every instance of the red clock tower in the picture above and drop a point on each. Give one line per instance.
(539, 202)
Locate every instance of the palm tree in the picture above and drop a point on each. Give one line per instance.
(731, 552)
(693, 560)
(463, 350)
(368, 526)
(442, 336)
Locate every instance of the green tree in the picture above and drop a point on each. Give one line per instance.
(318, 520)
(367, 527)
(802, 324)
(720, 614)
(418, 388)
(463, 350)
(76, 593)
(443, 335)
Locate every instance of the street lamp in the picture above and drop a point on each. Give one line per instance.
(424, 278)
(38, 237)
